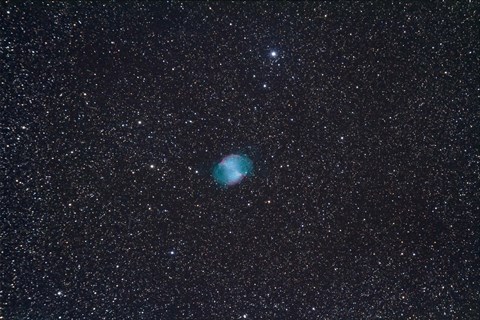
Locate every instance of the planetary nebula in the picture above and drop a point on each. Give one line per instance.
(232, 169)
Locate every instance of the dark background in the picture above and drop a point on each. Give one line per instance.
(363, 130)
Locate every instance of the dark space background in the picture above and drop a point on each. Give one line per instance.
(363, 131)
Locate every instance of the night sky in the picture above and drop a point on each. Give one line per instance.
(361, 122)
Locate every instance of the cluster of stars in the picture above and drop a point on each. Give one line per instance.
(359, 118)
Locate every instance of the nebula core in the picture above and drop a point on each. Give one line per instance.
(232, 169)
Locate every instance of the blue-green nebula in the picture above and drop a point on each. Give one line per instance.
(232, 169)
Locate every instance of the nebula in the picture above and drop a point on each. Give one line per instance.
(232, 169)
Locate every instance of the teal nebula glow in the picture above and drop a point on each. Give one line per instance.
(232, 169)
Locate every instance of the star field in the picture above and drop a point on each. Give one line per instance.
(361, 121)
